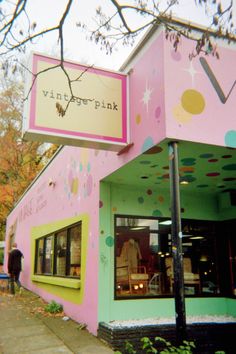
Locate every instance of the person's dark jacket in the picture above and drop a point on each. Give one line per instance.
(14, 261)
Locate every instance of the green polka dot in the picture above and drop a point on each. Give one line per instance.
(231, 167)
(109, 241)
(156, 213)
(140, 200)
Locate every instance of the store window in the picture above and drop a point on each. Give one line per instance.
(59, 254)
(144, 263)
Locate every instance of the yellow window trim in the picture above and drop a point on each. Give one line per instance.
(66, 288)
(67, 283)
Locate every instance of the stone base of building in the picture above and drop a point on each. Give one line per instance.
(208, 337)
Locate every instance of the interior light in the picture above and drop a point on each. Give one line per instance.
(196, 237)
(141, 286)
(165, 222)
(138, 228)
(184, 182)
(135, 287)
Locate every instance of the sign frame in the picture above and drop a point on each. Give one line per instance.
(106, 83)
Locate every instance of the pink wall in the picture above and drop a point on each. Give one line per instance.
(194, 111)
(77, 171)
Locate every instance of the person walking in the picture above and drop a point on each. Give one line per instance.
(14, 268)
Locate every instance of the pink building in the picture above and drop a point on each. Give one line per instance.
(95, 225)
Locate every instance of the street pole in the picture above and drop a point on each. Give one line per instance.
(176, 235)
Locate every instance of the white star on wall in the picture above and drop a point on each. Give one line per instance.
(191, 70)
(147, 96)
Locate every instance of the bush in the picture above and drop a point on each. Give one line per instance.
(1, 256)
(53, 307)
(166, 347)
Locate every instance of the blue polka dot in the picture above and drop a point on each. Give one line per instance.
(230, 138)
(206, 156)
(148, 143)
(141, 200)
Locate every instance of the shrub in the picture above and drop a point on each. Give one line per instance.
(167, 348)
(1, 256)
(53, 307)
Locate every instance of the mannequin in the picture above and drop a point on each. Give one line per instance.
(131, 254)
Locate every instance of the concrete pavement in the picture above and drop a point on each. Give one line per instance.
(25, 328)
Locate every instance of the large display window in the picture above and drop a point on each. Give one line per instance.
(144, 263)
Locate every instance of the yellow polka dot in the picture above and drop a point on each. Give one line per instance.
(138, 119)
(187, 169)
(75, 186)
(114, 209)
(193, 102)
(84, 156)
(181, 115)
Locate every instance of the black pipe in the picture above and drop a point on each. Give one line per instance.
(176, 235)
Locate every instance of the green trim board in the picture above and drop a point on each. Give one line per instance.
(67, 288)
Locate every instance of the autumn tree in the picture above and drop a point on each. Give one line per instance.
(113, 22)
(19, 161)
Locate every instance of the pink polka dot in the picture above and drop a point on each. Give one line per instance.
(89, 184)
(175, 55)
(158, 112)
(212, 174)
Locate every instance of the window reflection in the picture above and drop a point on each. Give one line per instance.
(48, 265)
(61, 246)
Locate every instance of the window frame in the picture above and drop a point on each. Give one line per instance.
(54, 236)
(211, 236)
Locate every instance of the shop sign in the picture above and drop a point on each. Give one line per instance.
(80, 105)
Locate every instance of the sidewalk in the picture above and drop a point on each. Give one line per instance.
(25, 328)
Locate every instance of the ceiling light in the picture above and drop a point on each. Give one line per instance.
(184, 182)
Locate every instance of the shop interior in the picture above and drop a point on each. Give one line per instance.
(144, 264)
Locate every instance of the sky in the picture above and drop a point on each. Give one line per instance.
(79, 49)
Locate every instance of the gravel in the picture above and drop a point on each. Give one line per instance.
(171, 320)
